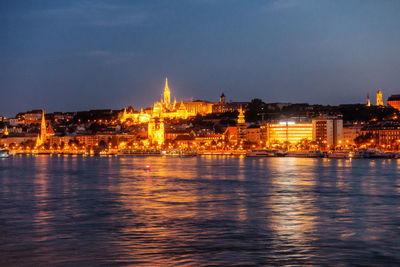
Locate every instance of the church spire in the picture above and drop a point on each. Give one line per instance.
(166, 84)
(167, 93)
(43, 128)
(42, 136)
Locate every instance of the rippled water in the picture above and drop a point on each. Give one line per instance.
(198, 211)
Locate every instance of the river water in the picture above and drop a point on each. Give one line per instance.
(85, 211)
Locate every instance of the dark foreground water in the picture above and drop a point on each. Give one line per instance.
(198, 211)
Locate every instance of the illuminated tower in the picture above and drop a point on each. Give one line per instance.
(222, 99)
(368, 101)
(5, 130)
(241, 127)
(241, 119)
(167, 93)
(156, 133)
(379, 101)
(43, 131)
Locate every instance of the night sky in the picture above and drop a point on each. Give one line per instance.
(80, 55)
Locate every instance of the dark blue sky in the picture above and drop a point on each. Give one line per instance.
(78, 55)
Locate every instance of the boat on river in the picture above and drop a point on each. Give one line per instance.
(128, 152)
(4, 153)
(261, 153)
(305, 154)
(179, 153)
(373, 153)
(340, 154)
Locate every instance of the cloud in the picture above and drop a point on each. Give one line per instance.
(283, 4)
(133, 19)
(94, 13)
(97, 53)
(110, 57)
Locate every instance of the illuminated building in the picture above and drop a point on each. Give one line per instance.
(208, 139)
(5, 131)
(288, 132)
(230, 135)
(379, 101)
(327, 131)
(394, 101)
(164, 108)
(368, 101)
(184, 141)
(13, 121)
(241, 126)
(350, 132)
(253, 135)
(156, 131)
(198, 107)
(33, 116)
(49, 131)
(222, 106)
(387, 134)
(136, 117)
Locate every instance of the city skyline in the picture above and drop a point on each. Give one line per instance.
(100, 54)
(199, 132)
(378, 99)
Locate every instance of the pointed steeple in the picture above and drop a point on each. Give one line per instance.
(5, 130)
(43, 128)
(368, 101)
(166, 84)
(167, 93)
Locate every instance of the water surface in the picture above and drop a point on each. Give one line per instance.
(64, 210)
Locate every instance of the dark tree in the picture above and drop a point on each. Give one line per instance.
(255, 110)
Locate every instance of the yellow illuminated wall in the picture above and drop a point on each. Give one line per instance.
(289, 132)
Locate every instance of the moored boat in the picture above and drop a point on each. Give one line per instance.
(305, 154)
(139, 152)
(373, 153)
(340, 154)
(261, 153)
(346, 154)
(179, 153)
(4, 153)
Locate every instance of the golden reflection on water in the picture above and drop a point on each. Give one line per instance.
(184, 203)
(43, 214)
(293, 203)
(157, 201)
(164, 199)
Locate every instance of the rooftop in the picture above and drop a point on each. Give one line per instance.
(394, 98)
